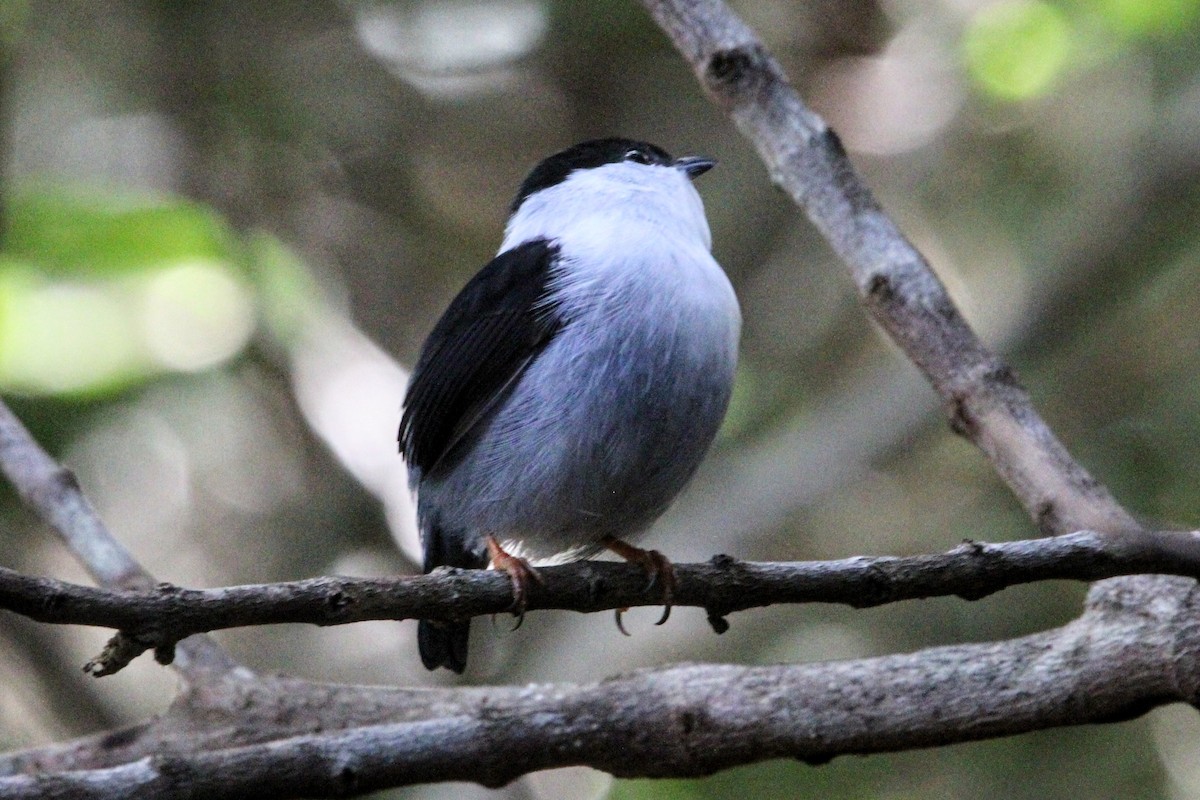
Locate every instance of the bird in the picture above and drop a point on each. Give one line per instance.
(573, 386)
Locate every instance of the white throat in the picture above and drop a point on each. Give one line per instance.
(624, 195)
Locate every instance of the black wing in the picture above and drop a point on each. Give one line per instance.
(490, 332)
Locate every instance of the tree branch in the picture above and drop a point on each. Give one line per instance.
(686, 720)
(155, 619)
(53, 493)
(983, 397)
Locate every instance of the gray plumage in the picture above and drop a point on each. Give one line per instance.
(586, 370)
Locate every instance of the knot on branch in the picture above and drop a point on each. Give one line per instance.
(1001, 375)
(1049, 521)
(962, 419)
(716, 612)
(59, 484)
(339, 602)
(717, 621)
(736, 69)
(852, 188)
(878, 585)
(64, 480)
(879, 288)
(982, 562)
(990, 381)
(165, 653)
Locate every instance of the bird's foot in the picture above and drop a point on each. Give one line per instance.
(657, 566)
(519, 571)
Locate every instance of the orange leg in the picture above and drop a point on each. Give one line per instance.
(657, 566)
(519, 571)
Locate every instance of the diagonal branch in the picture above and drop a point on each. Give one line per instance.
(983, 397)
(52, 491)
(158, 618)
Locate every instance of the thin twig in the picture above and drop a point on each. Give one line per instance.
(156, 619)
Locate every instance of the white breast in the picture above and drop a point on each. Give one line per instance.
(633, 241)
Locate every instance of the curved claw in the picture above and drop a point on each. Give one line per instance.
(520, 619)
(519, 572)
(620, 622)
(664, 571)
(657, 566)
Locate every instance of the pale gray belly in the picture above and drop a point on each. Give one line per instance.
(596, 438)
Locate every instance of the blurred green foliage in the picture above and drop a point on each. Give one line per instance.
(100, 292)
(74, 233)
(1018, 49)
(1145, 17)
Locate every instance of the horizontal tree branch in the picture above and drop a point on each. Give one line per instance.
(686, 720)
(158, 618)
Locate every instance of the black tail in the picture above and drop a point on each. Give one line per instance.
(443, 644)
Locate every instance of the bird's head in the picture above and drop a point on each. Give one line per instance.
(617, 178)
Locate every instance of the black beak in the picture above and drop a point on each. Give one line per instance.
(695, 166)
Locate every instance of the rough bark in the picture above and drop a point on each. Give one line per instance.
(156, 619)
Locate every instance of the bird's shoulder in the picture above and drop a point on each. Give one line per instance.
(491, 330)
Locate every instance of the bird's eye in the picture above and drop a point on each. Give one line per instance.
(637, 156)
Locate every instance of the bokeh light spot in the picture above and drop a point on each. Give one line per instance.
(448, 47)
(195, 315)
(63, 337)
(1016, 50)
